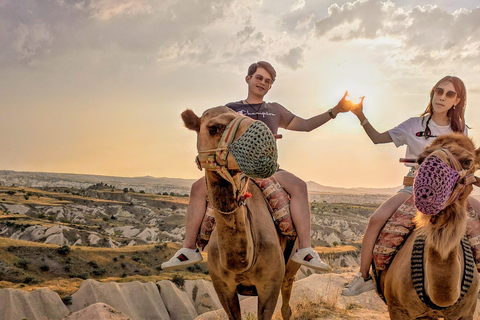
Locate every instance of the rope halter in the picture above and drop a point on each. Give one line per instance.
(255, 153)
(437, 184)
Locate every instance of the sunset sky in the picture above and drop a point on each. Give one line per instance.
(97, 86)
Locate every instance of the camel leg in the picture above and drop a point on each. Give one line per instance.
(228, 298)
(397, 313)
(286, 290)
(267, 300)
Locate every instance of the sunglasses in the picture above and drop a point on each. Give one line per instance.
(260, 78)
(449, 94)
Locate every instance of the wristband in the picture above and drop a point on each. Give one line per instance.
(330, 113)
(364, 122)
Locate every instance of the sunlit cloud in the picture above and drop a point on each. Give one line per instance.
(106, 9)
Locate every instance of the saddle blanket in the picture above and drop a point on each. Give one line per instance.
(277, 201)
(399, 226)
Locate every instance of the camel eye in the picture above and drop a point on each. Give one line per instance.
(215, 129)
(467, 163)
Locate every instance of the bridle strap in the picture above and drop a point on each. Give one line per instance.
(464, 179)
(210, 162)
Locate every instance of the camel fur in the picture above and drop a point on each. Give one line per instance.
(245, 248)
(443, 256)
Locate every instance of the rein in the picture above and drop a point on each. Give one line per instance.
(418, 273)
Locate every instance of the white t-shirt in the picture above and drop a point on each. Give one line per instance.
(412, 133)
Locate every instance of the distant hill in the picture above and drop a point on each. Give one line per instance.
(150, 184)
(48, 179)
(313, 186)
(147, 183)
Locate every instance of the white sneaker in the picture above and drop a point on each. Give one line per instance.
(358, 285)
(309, 257)
(182, 258)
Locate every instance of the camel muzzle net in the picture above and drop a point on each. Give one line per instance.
(256, 151)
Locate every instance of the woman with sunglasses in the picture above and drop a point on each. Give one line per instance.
(444, 114)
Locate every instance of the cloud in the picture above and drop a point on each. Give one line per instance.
(292, 59)
(426, 35)
(107, 9)
(29, 40)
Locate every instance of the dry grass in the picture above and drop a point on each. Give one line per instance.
(337, 249)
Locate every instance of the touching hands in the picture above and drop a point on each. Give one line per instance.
(357, 108)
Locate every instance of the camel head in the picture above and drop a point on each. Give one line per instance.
(446, 173)
(229, 143)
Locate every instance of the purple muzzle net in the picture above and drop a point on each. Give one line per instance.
(433, 185)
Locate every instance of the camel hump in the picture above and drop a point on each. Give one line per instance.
(400, 225)
(277, 201)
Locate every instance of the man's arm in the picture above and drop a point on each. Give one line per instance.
(300, 124)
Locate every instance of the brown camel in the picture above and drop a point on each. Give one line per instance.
(245, 249)
(442, 282)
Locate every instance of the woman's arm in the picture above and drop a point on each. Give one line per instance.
(372, 133)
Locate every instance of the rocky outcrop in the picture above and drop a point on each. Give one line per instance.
(98, 311)
(177, 302)
(126, 301)
(135, 299)
(36, 305)
(202, 295)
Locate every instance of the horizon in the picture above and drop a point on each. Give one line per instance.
(173, 178)
(98, 86)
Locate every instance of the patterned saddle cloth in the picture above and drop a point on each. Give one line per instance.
(399, 226)
(278, 203)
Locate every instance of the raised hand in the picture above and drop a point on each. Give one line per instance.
(344, 105)
(357, 108)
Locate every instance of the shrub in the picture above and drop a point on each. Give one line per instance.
(178, 280)
(83, 276)
(67, 300)
(30, 280)
(64, 250)
(115, 258)
(122, 256)
(99, 272)
(45, 267)
(22, 263)
(93, 264)
(136, 258)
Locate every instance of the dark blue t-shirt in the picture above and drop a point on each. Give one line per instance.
(273, 114)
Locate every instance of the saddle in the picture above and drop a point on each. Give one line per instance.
(400, 225)
(278, 203)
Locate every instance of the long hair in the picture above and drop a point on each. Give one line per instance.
(265, 65)
(456, 114)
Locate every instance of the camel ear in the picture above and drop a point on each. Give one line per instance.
(191, 120)
(477, 155)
